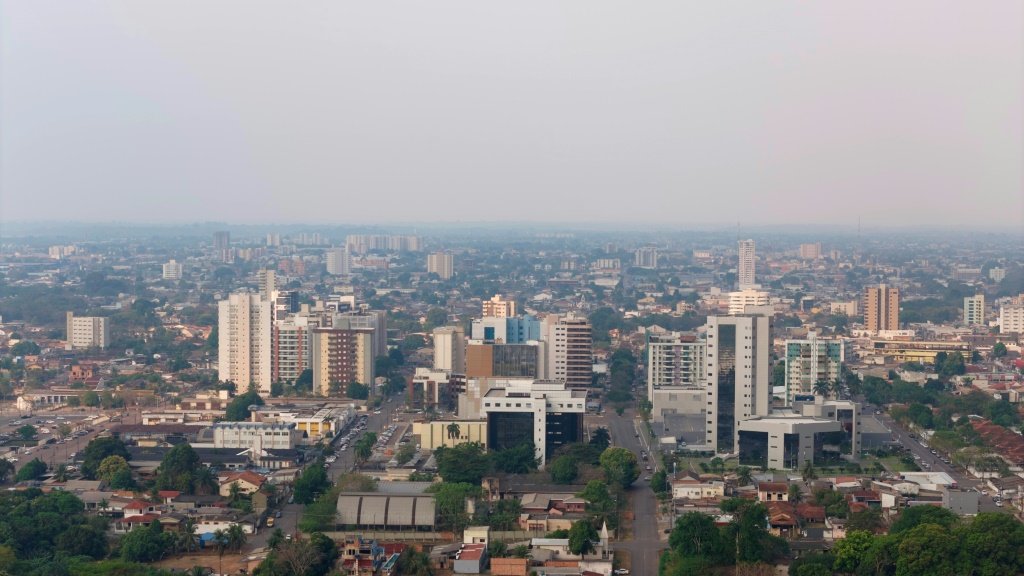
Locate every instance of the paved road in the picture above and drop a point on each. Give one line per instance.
(52, 454)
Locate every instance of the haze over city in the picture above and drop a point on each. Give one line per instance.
(900, 114)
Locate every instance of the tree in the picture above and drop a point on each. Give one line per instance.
(601, 438)
(27, 432)
(915, 516)
(695, 535)
(178, 469)
(63, 430)
(187, 538)
(83, 540)
(311, 483)
(25, 348)
(6, 469)
(925, 549)
(744, 476)
(850, 551)
(97, 450)
(450, 501)
(238, 408)
(464, 463)
(991, 543)
(74, 401)
(91, 399)
(236, 537)
(220, 540)
(659, 481)
(869, 520)
(357, 391)
(999, 350)
(276, 539)
(717, 465)
(147, 544)
(31, 471)
(405, 453)
(305, 380)
(413, 563)
(563, 470)
(600, 504)
(620, 467)
(581, 538)
(520, 459)
(808, 473)
(110, 467)
(435, 317)
(795, 495)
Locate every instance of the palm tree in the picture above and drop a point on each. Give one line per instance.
(453, 431)
(61, 474)
(276, 539)
(205, 481)
(234, 492)
(187, 536)
(197, 571)
(236, 537)
(743, 476)
(822, 388)
(220, 540)
(808, 471)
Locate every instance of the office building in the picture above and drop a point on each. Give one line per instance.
(512, 330)
(267, 280)
(440, 263)
(646, 257)
(1011, 318)
(363, 243)
(504, 360)
(546, 414)
(498, 307)
(812, 360)
(173, 270)
(570, 349)
(997, 274)
(849, 308)
(974, 310)
(881, 308)
(745, 268)
(810, 251)
(742, 300)
(256, 436)
(341, 356)
(374, 321)
(738, 380)
(245, 351)
(675, 373)
(813, 430)
(292, 342)
(338, 261)
(284, 303)
(222, 246)
(85, 332)
(450, 349)
(438, 389)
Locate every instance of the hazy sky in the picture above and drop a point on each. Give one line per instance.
(764, 112)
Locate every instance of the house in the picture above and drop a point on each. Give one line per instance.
(470, 559)
(129, 523)
(690, 488)
(772, 492)
(782, 519)
(248, 482)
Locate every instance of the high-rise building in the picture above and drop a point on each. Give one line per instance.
(222, 246)
(87, 332)
(172, 270)
(541, 413)
(738, 381)
(512, 330)
(646, 257)
(504, 360)
(267, 280)
(741, 300)
(570, 349)
(809, 361)
(498, 307)
(675, 373)
(374, 321)
(341, 356)
(810, 251)
(292, 342)
(881, 308)
(339, 261)
(1011, 318)
(245, 350)
(284, 303)
(440, 263)
(974, 310)
(745, 269)
(997, 274)
(363, 243)
(450, 349)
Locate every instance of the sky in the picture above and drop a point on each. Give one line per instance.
(901, 113)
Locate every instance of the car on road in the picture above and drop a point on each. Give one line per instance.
(620, 572)
(277, 514)
(647, 478)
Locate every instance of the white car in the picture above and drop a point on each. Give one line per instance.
(620, 571)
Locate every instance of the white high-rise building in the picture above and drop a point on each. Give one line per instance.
(675, 373)
(741, 300)
(450, 349)
(442, 264)
(339, 261)
(173, 270)
(812, 360)
(570, 349)
(87, 332)
(245, 351)
(646, 257)
(267, 279)
(738, 377)
(974, 310)
(1011, 318)
(745, 269)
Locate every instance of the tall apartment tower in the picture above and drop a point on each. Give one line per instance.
(341, 356)
(267, 279)
(974, 310)
(440, 263)
(745, 271)
(245, 350)
(810, 251)
(222, 245)
(292, 341)
(87, 332)
(339, 261)
(675, 373)
(738, 381)
(809, 361)
(570, 350)
(881, 308)
(172, 270)
(646, 257)
(450, 349)
(498, 307)
(1011, 318)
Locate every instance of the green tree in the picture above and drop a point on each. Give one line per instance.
(27, 432)
(91, 399)
(620, 466)
(999, 350)
(659, 482)
(744, 477)
(238, 408)
(435, 317)
(695, 535)
(311, 483)
(601, 438)
(97, 450)
(582, 536)
(83, 540)
(991, 544)
(414, 563)
(357, 391)
(178, 470)
(31, 471)
(450, 500)
(925, 549)
(850, 551)
(236, 537)
(915, 516)
(6, 469)
(147, 544)
(110, 466)
(25, 348)
(516, 460)
(601, 505)
(868, 520)
(465, 463)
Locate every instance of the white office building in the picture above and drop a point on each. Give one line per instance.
(738, 382)
(339, 261)
(544, 413)
(450, 349)
(257, 436)
(741, 301)
(85, 332)
(675, 373)
(974, 310)
(1011, 318)
(173, 270)
(245, 351)
(745, 269)
(442, 264)
(812, 360)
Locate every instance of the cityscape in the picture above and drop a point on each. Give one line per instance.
(574, 288)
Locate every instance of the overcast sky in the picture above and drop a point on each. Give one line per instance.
(763, 112)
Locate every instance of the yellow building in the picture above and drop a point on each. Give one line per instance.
(450, 433)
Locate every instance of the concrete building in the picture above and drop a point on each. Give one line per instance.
(314, 422)
(505, 360)
(339, 357)
(507, 330)
(646, 257)
(997, 274)
(974, 310)
(442, 264)
(338, 261)
(172, 270)
(1011, 318)
(675, 373)
(436, 388)
(746, 266)
(881, 308)
(267, 280)
(244, 346)
(222, 246)
(810, 251)
(547, 414)
(84, 332)
(283, 303)
(291, 344)
(437, 433)
(450, 349)
(740, 301)
(849, 309)
(819, 431)
(570, 349)
(738, 381)
(812, 360)
(498, 307)
(256, 435)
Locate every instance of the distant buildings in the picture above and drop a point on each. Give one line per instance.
(87, 332)
(974, 310)
(1011, 318)
(363, 243)
(646, 257)
(485, 360)
(745, 268)
(244, 332)
(222, 246)
(341, 356)
(267, 280)
(339, 261)
(509, 330)
(741, 300)
(810, 251)
(881, 308)
(997, 274)
(172, 270)
(809, 361)
(440, 263)
(498, 307)
(849, 309)
(738, 382)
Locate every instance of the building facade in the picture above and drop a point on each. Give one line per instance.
(812, 360)
(450, 349)
(739, 301)
(291, 344)
(675, 373)
(498, 307)
(646, 257)
(172, 270)
(256, 435)
(746, 266)
(881, 308)
(340, 357)
(442, 264)
(338, 261)
(974, 310)
(548, 414)
(738, 382)
(85, 332)
(570, 350)
(1011, 318)
(244, 346)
